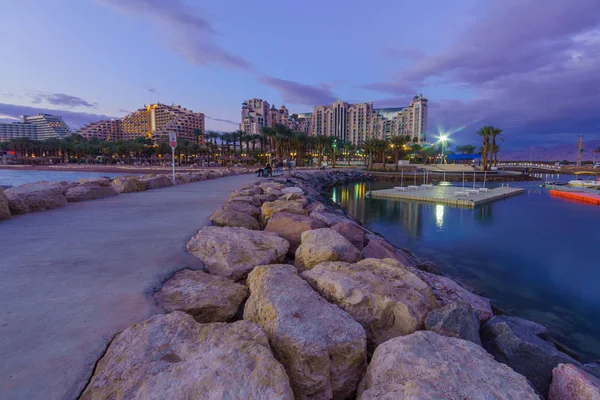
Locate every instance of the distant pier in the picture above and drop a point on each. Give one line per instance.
(451, 195)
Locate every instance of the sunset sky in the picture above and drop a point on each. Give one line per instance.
(529, 67)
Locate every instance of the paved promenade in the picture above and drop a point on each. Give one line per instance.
(71, 278)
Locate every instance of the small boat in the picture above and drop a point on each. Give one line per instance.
(586, 183)
(556, 183)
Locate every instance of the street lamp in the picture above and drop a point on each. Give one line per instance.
(443, 139)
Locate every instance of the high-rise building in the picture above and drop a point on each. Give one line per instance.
(35, 127)
(152, 121)
(357, 122)
(256, 113)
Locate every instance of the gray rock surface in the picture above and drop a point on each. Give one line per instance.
(520, 344)
(234, 252)
(322, 348)
(36, 196)
(243, 207)
(207, 298)
(354, 233)
(89, 191)
(426, 365)
(173, 357)
(271, 207)
(4, 210)
(157, 182)
(387, 299)
(254, 200)
(458, 320)
(320, 245)
(226, 216)
(571, 383)
(328, 217)
(290, 226)
(379, 248)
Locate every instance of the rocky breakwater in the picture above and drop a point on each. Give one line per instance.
(40, 196)
(295, 297)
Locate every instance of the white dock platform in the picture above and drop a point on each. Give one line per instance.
(451, 195)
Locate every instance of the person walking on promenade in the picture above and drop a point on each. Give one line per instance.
(268, 171)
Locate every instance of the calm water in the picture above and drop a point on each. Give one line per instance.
(535, 256)
(14, 178)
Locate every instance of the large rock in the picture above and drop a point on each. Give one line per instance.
(329, 218)
(89, 191)
(322, 348)
(292, 189)
(290, 227)
(4, 210)
(228, 217)
(234, 252)
(182, 178)
(271, 207)
(520, 344)
(36, 196)
(253, 200)
(447, 291)
(207, 298)
(458, 320)
(128, 184)
(320, 245)
(354, 233)
(157, 182)
(295, 197)
(379, 248)
(243, 207)
(173, 357)
(386, 298)
(571, 383)
(425, 365)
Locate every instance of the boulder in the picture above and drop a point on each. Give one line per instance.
(520, 344)
(290, 226)
(4, 210)
(458, 320)
(380, 248)
(322, 348)
(273, 191)
(157, 182)
(383, 296)
(36, 196)
(128, 184)
(447, 291)
(296, 197)
(270, 185)
(254, 200)
(571, 383)
(426, 365)
(292, 189)
(102, 181)
(243, 207)
(234, 252)
(263, 198)
(328, 217)
(173, 357)
(207, 298)
(182, 178)
(228, 217)
(354, 233)
(271, 207)
(320, 245)
(89, 191)
(316, 206)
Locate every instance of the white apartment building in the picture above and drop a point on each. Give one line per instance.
(256, 113)
(356, 123)
(35, 127)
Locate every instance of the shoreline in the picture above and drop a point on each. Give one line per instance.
(110, 168)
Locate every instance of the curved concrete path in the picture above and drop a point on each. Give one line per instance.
(71, 278)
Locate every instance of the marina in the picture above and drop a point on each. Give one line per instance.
(450, 195)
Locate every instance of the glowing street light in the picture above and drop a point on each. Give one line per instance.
(443, 139)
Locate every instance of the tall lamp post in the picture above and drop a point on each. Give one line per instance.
(334, 150)
(443, 139)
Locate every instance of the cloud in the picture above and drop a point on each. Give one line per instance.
(74, 119)
(183, 29)
(122, 110)
(299, 93)
(60, 99)
(227, 121)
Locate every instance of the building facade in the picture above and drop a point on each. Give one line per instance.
(152, 121)
(257, 113)
(35, 127)
(355, 123)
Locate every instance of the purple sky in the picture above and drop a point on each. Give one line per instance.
(529, 67)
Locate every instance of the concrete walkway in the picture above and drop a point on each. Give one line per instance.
(71, 278)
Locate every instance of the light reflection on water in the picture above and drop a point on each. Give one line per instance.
(533, 255)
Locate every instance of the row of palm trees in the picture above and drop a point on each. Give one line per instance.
(489, 149)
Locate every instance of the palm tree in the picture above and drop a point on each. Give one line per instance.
(398, 144)
(465, 149)
(197, 134)
(370, 146)
(496, 132)
(225, 139)
(485, 132)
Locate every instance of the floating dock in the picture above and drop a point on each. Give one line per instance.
(577, 196)
(448, 195)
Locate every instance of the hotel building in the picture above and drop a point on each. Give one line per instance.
(356, 123)
(256, 113)
(35, 127)
(152, 121)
